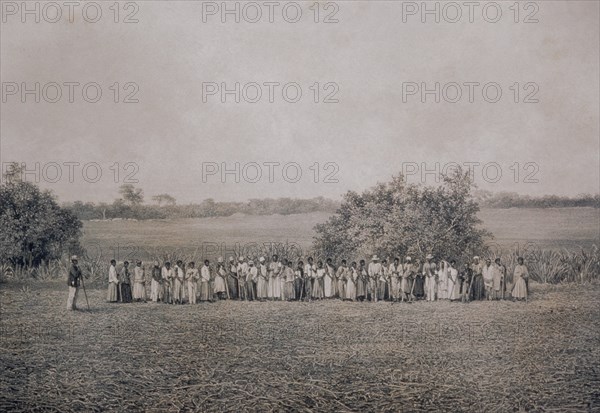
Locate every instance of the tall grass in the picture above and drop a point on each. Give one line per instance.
(545, 265)
(555, 266)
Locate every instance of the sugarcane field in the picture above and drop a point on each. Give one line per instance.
(299, 206)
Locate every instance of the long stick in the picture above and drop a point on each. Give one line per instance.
(84, 293)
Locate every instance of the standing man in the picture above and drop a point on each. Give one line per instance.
(407, 279)
(275, 268)
(139, 282)
(167, 279)
(113, 283)
(74, 281)
(232, 280)
(192, 276)
(478, 281)
(499, 280)
(341, 275)
(395, 273)
(156, 284)
(429, 272)
(488, 278)
(220, 288)
(242, 272)
(374, 274)
(329, 279)
(178, 277)
(262, 284)
(310, 273)
(251, 276)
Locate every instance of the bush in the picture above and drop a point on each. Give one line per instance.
(35, 229)
(395, 219)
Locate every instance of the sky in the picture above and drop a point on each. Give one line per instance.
(170, 132)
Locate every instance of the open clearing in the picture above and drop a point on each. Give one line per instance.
(321, 356)
(551, 228)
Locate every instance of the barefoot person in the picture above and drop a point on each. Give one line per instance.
(220, 287)
(139, 282)
(407, 279)
(329, 279)
(205, 292)
(262, 284)
(317, 291)
(341, 276)
(395, 273)
(429, 272)
(363, 281)
(478, 289)
(167, 281)
(125, 283)
(488, 279)
(113, 283)
(74, 282)
(156, 283)
(232, 280)
(351, 279)
(453, 282)
(191, 277)
(275, 268)
(374, 274)
(499, 280)
(520, 276)
(178, 276)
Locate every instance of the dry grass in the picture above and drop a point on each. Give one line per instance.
(324, 356)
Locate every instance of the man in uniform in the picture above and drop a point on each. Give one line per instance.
(74, 281)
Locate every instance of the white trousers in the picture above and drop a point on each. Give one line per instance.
(72, 300)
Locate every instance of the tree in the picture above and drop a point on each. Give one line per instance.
(166, 198)
(131, 195)
(396, 219)
(35, 228)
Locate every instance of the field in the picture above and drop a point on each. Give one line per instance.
(227, 356)
(541, 356)
(558, 228)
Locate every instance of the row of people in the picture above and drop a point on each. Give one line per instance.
(281, 280)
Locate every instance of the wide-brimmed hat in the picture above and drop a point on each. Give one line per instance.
(408, 259)
(231, 259)
(429, 257)
(250, 262)
(74, 258)
(262, 259)
(476, 257)
(220, 259)
(375, 258)
(240, 258)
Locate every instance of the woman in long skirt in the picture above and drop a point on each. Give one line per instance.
(442, 284)
(478, 290)
(317, 292)
(329, 280)
(125, 284)
(220, 287)
(405, 284)
(361, 282)
(299, 281)
(520, 277)
(351, 280)
(262, 284)
(341, 275)
(139, 283)
(453, 282)
(419, 287)
(113, 283)
(192, 276)
(289, 292)
(205, 292)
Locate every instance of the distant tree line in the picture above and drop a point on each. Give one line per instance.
(487, 199)
(131, 205)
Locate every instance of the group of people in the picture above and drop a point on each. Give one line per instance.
(245, 279)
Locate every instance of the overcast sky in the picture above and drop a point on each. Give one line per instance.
(367, 136)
